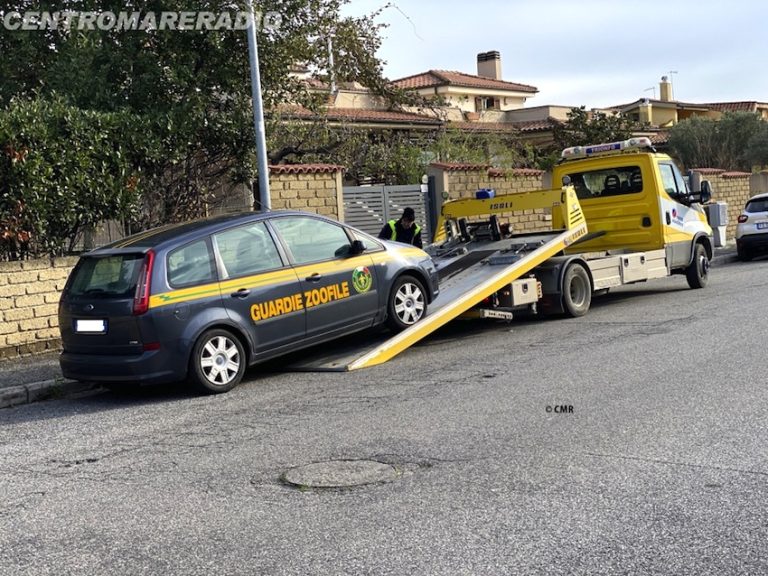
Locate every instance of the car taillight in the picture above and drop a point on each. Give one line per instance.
(743, 218)
(141, 298)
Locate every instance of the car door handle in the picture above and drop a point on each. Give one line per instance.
(669, 220)
(242, 293)
(314, 277)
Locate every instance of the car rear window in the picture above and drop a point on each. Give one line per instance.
(759, 205)
(106, 276)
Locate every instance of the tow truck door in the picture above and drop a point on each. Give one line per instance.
(681, 221)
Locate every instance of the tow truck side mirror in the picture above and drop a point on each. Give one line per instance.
(701, 190)
(703, 196)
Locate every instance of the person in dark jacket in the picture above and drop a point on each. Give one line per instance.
(404, 230)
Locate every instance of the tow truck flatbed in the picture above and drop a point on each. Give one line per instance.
(460, 290)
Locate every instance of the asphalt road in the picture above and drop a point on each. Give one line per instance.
(660, 468)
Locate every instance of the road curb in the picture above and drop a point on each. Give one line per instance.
(724, 257)
(45, 390)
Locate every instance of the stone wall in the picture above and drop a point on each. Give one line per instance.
(309, 187)
(29, 297)
(463, 180)
(732, 187)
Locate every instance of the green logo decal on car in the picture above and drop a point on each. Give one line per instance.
(362, 279)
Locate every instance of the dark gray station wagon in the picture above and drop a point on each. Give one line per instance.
(203, 300)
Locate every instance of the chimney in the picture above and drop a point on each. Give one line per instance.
(665, 90)
(489, 65)
(646, 112)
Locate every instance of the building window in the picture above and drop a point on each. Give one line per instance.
(487, 103)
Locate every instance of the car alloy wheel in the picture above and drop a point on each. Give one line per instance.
(407, 303)
(218, 362)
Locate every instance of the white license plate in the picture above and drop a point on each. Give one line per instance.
(762, 225)
(91, 326)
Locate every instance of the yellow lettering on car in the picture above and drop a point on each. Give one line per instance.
(295, 302)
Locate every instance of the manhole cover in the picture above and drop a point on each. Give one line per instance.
(340, 473)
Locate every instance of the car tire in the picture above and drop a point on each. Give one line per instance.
(218, 362)
(697, 272)
(577, 291)
(407, 303)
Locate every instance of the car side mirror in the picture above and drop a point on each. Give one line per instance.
(356, 248)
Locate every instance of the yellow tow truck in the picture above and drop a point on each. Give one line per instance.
(624, 214)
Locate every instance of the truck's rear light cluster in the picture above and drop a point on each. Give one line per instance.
(141, 298)
(743, 218)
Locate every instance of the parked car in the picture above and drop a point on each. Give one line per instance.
(203, 300)
(752, 228)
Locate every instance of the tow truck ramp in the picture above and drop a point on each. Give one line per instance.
(463, 289)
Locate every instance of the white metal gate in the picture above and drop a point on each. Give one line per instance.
(370, 207)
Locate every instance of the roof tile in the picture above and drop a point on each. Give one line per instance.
(501, 172)
(453, 78)
(305, 168)
(735, 174)
(366, 115)
(459, 166)
(735, 106)
(528, 126)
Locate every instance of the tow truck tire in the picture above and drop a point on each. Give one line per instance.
(697, 272)
(407, 303)
(218, 362)
(577, 291)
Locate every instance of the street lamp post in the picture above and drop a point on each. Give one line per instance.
(258, 114)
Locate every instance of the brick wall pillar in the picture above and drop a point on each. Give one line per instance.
(309, 187)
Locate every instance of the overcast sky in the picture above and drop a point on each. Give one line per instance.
(587, 52)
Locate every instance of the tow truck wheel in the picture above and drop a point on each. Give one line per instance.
(697, 272)
(407, 303)
(218, 362)
(577, 291)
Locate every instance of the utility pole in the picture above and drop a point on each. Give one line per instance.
(258, 114)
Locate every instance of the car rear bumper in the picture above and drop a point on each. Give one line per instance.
(753, 242)
(153, 367)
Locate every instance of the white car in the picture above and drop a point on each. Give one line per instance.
(752, 229)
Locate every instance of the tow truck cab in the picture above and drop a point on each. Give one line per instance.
(636, 200)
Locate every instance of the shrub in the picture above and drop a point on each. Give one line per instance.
(63, 169)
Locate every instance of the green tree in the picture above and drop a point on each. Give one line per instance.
(191, 89)
(757, 147)
(731, 143)
(583, 128)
